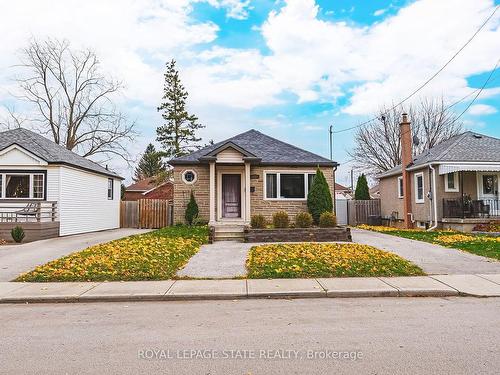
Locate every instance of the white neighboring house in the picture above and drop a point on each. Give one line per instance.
(51, 191)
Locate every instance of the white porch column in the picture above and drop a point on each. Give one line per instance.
(212, 193)
(247, 192)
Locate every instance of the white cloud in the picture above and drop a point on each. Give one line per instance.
(482, 109)
(385, 61)
(379, 12)
(237, 9)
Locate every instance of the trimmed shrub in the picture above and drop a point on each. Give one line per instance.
(362, 191)
(258, 221)
(200, 222)
(327, 220)
(191, 210)
(319, 199)
(303, 220)
(280, 219)
(17, 234)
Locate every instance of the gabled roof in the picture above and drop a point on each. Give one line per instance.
(339, 187)
(258, 148)
(466, 147)
(49, 151)
(146, 184)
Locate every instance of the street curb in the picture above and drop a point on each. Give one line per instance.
(260, 289)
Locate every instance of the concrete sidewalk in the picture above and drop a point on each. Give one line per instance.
(16, 259)
(481, 285)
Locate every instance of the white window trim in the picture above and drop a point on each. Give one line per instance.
(30, 174)
(416, 176)
(400, 196)
(184, 179)
(479, 185)
(447, 189)
(112, 190)
(278, 184)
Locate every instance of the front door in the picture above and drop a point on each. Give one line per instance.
(231, 195)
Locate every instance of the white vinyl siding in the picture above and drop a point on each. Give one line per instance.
(84, 205)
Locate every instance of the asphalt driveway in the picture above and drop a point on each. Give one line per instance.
(16, 259)
(433, 259)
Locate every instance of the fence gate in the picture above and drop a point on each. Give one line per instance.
(146, 213)
(341, 211)
(360, 210)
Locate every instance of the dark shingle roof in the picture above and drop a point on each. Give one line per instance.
(465, 147)
(269, 150)
(49, 151)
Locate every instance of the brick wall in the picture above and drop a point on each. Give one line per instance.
(268, 207)
(201, 189)
(182, 191)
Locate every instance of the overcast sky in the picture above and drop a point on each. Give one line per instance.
(287, 68)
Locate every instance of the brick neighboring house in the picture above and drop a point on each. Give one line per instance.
(149, 189)
(250, 173)
(454, 185)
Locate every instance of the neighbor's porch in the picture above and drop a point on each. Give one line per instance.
(471, 195)
(39, 219)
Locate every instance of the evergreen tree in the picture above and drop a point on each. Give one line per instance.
(319, 199)
(150, 165)
(178, 134)
(362, 192)
(191, 210)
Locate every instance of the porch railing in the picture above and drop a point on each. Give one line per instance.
(28, 212)
(467, 208)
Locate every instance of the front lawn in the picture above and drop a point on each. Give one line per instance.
(325, 260)
(152, 256)
(478, 244)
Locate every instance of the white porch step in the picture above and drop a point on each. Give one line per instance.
(229, 228)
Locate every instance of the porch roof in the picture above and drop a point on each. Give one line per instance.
(449, 168)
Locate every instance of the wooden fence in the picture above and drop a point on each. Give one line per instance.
(146, 213)
(361, 210)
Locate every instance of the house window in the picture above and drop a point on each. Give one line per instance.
(38, 186)
(271, 186)
(400, 187)
(451, 182)
(489, 184)
(419, 187)
(292, 186)
(189, 176)
(22, 185)
(110, 188)
(288, 185)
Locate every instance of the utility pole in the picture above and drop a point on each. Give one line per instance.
(331, 142)
(352, 181)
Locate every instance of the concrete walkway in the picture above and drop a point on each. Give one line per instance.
(422, 286)
(221, 260)
(433, 259)
(16, 259)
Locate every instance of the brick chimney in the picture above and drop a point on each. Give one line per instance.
(406, 159)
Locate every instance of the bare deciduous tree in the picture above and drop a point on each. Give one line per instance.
(11, 119)
(377, 145)
(74, 99)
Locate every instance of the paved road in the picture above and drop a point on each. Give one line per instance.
(433, 259)
(224, 259)
(394, 336)
(16, 259)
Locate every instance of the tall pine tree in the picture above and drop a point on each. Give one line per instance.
(150, 165)
(178, 134)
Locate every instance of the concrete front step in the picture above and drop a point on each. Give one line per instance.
(229, 237)
(230, 229)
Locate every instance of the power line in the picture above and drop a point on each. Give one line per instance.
(429, 79)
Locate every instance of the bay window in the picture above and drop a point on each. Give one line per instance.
(287, 185)
(22, 185)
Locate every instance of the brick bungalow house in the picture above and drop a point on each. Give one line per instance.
(250, 173)
(455, 184)
(148, 188)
